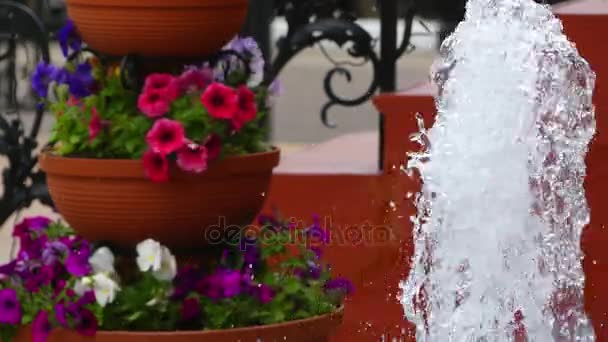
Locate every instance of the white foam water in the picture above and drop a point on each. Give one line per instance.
(502, 207)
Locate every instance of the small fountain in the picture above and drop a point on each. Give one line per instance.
(503, 206)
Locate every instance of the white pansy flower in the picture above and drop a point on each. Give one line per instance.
(168, 266)
(83, 285)
(102, 261)
(149, 254)
(105, 289)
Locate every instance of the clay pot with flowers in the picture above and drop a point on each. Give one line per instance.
(62, 288)
(182, 28)
(180, 158)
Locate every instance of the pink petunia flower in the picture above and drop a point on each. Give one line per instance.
(156, 167)
(95, 125)
(213, 144)
(41, 327)
(247, 108)
(221, 101)
(166, 84)
(153, 103)
(194, 80)
(166, 136)
(192, 158)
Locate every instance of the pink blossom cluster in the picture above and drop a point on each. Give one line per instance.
(167, 137)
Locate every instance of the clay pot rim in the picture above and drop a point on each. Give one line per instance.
(157, 3)
(336, 315)
(252, 163)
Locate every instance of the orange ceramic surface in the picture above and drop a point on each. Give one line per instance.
(180, 28)
(316, 329)
(112, 201)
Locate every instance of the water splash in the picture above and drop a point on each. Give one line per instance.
(502, 208)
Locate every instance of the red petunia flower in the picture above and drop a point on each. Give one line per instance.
(213, 144)
(194, 80)
(247, 108)
(96, 124)
(192, 158)
(221, 101)
(153, 103)
(166, 84)
(166, 136)
(156, 166)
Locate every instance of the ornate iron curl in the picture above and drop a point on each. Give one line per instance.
(316, 21)
(22, 182)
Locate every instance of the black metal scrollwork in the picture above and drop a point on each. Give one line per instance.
(313, 22)
(23, 183)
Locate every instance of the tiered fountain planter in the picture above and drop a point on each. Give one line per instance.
(153, 181)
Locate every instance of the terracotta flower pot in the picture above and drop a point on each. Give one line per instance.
(317, 329)
(181, 28)
(112, 201)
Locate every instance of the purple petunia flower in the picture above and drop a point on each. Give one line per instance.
(220, 285)
(86, 299)
(86, 323)
(10, 309)
(76, 316)
(31, 225)
(41, 327)
(69, 38)
(264, 293)
(8, 269)
(190, 310)
(77, 265)
(42, 77)
(38, 276)
(81, 81)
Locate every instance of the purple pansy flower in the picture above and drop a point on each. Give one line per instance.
(41, 327)
(69, 38)
(341, 285)
(54, 251)
(10, 309)
(190, 309)
(42, 77)
(81, 81)
(222, 284)
(249, 48)
(185, 281)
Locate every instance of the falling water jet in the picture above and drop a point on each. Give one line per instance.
(502, 206)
